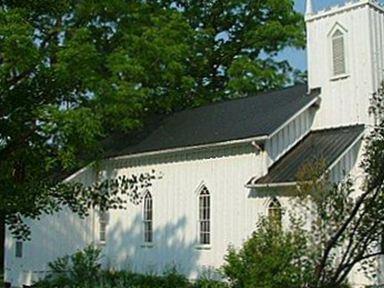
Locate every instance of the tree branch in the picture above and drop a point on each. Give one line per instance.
(334, 239)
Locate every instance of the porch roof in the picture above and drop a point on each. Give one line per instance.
(327, 145)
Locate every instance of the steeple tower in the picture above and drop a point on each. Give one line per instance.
(309, 8)
(342, 41)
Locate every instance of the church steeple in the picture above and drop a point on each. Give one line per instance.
(309, 8)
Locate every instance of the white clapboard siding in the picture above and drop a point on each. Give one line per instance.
(224, 172)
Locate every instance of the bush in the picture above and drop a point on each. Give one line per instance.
(83, 270)
(270, 258)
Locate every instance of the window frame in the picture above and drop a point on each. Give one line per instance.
(275, 208)
(148, 219)
(204, 218)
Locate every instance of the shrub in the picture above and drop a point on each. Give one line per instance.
(270, 258)
(83, 270)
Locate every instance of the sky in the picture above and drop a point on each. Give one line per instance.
(298, 58)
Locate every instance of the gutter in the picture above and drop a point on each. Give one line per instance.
(271, 185)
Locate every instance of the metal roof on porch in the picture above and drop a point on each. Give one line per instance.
(326, 145)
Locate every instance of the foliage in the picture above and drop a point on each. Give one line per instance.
(270, 258)
(80, 268)
(71, 73)
(83, 270)
(236, 42)
(211, 278)
(336, 227)
(74, 72)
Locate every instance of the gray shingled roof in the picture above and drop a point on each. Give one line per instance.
(253, 116)
(327, 145)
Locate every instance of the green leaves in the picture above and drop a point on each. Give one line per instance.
(18, 51)
(74, 72)
(270, 258)
(246, 75)
(235, 42)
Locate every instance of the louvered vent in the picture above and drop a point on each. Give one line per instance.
(338, 53)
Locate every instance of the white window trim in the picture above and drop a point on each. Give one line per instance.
(340, 77)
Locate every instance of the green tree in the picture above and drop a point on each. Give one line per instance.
(235, 44)
(74, 72)
(71, 73)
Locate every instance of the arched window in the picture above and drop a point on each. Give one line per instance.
(103, 222)
(148, 218)
(338, 53)
(204, 217)
(275, 212)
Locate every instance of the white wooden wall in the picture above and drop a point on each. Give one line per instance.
(235, 211)
(175, 202)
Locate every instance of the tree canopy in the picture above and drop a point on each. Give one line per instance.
(236, 42)
(74, 72)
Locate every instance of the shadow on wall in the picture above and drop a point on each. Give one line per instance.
(64, 233)
(125, 249)
(56, 236)
(52, 237)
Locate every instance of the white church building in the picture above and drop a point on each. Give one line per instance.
(226, 164)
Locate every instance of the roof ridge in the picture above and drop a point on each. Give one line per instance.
(248, 96)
